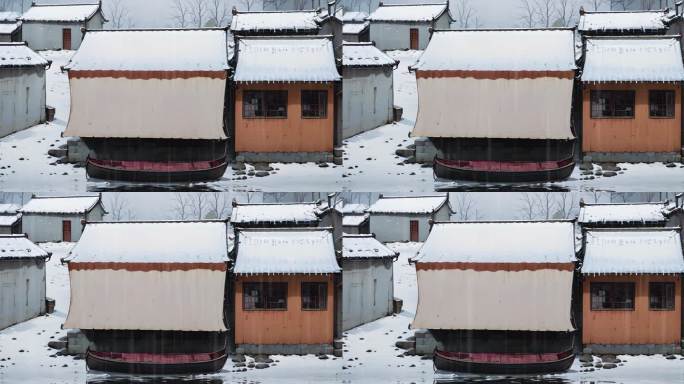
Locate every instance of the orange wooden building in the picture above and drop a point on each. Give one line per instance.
(631, 290)
(285, 92)
(631, 99)
(285, 291)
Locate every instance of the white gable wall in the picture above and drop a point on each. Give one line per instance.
(22, 98)
(390, 228)
(45, 228)
(48, 35)
(368, 97)
(22, 290)
(396, 35)
(368, 291)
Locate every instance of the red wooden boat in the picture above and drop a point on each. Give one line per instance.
(154, 171)
(504, 363)
(156, 364)
(504, 171)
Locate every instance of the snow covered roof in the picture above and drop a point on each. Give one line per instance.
(354, 220)
(408, 12)
(353, 208)
(499, 242)
(622, 213)
(152, 50)
(642, 58)
(644, 21)
(630, 251)
(60, 12)
(364, 55)
(275, 213)
(9, 16)
(19, 247)
(354, 17)
(60, 205)
(297, 21)
(9, 220)
(285, 251)
(8, 28)
(9, 208)
(408, 204)
(19, 55)
(500, 50)
(354, 28)
(364, 247)
(152, 242)
(286, 59)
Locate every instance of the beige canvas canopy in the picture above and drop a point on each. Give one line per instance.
(496, 276)
(150, 84)
(165, 276)
(499, 84)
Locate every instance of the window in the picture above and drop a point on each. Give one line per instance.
(257, 104)
(314, 296)
(661, 296)
(612, 104)
(315, 104)
(661, 103)
(612, 296)
(264, 296)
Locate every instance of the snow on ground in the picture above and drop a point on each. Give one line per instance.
(383, 363)
(24, 162)
(370, 161)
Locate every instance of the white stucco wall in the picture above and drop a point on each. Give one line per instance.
(22, 290)
(22, 98)
(44, 228)
(368, 290)
(397, 227)
(48, 35)
(368, 99)
(396, 35)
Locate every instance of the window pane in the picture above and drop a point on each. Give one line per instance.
(314, 296)
(314, 104)
(661, 296)
(612, 104)
(252, 102)
(264, 296)
(276, 103)
(264, 104)
(661, 103)
(607, 296)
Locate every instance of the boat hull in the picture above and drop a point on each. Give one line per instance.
(503, 172)
(170, 364)
(508, 364)
(137, 171)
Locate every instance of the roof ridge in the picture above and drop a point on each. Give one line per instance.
(412, 5)
(214, 221)
(554, 221)
(635, 229)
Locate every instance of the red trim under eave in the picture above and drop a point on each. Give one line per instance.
(495, 267)
(154, 358)
(147, 75)
(146, 267)
(495, 75)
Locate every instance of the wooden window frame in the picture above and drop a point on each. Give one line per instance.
(593, 285)
(323, 92)
(674, 295)
(263, 93)
(319, 284)
(666, 92)
(594, 94)
(264, 295)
